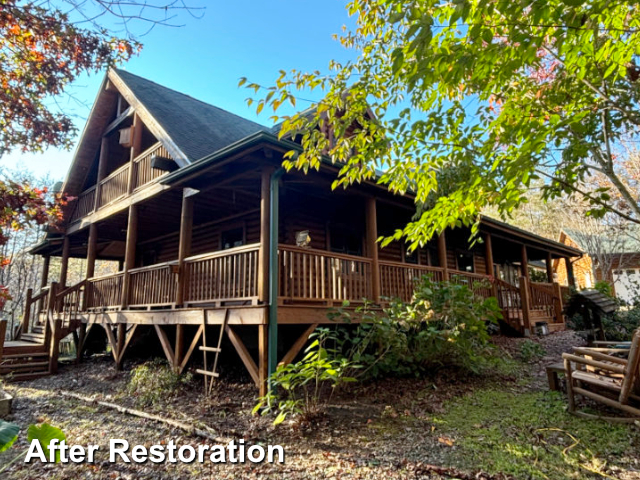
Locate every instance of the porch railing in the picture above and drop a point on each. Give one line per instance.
(543, 298)
(69, 302)
(398, 280)
(319, 276)
(154, 285)
(222, 276)
(510, 301)
(114, 186)
(479, 284)
(104, 292)
(143, 172)
(85, 204)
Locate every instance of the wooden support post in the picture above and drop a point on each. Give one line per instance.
(488, 254)
(102, 170)
(130, 253)
(184, 246)
(263, 358)
(46, 262)
(549, 264)
(64, 264)
(570, 276)
(122, 333)
(557, 293)
(192, 347)
(442, 255)
(526, 305)
(263, 256)
(92, 250)
(179, 348)
(26, 315)
(3, 333)
(50, 311)
(82, 337)
(54, 345)
(371, 220)
(136, 143)
(524, 262)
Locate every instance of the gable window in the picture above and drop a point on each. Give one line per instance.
(465, 261)
(231, 238)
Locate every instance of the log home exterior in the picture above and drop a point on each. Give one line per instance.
(193, 204)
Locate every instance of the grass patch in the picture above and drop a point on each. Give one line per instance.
(531, 435)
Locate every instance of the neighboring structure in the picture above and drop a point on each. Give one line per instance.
(212, 235)
(622, 256)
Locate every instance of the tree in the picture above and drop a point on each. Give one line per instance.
(466, 103)
(45, 45)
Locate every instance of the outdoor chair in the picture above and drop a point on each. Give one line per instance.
(604, 376)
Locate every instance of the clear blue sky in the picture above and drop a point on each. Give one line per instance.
(206, 58)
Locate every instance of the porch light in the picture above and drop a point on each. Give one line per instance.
(303, 239)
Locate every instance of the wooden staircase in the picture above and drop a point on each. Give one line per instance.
(48, 318)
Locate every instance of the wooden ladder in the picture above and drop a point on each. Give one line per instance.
(210, 375)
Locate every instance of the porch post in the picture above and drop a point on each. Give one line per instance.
(526, 305)
(525, 262)
(442, 255)
(46, 262)
(136, 143)
(488, 254)
(130, 252)
(570, 276)
(549, 268)
(263, 257)
(102, 170)
(64, 265)
(372, 247)
(184, 248)
(92, 248)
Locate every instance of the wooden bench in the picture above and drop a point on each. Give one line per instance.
(553, 372)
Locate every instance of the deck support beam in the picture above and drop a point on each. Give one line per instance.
(124, 339)
(371, 220)
(166, 345)
(244, 355)
(130, 253)
(298, 344)
(184, 243)
(179, 348)
(192, 347)
(108, 329)
(92, 250)
(442, 255)
(64, 262)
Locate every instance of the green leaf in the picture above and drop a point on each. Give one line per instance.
(8, 434)
(44, 434)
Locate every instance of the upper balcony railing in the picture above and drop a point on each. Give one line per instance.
(116, 186)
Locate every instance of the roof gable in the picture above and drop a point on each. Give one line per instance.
(195, 127)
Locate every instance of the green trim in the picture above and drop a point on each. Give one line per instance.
(274, 205)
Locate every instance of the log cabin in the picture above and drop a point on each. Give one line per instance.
(213, 238)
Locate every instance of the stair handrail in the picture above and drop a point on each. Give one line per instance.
(62, 309)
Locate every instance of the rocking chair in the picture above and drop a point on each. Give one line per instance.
(603, 376)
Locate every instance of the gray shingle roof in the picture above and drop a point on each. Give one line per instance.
(196, 127)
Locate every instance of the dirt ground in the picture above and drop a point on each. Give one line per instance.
(390, 429)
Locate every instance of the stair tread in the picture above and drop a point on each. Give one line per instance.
(24, 355)
(14, 366)
(16, 377)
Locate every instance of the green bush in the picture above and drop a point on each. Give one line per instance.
(152, 381)
(604, 287)
(531, 351)
(444, 325)
(303, 388)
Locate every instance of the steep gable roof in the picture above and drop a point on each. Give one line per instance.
(197, 128)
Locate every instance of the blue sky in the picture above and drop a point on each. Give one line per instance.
(206, 58)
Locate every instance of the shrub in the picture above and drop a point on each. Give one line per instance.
(304, 387)
(444, 325)
(531, 351)
(153, 381)
(604, 287)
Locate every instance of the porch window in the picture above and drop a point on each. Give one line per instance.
(232, 238)
(345, 241)
(465, 261)
(411, 256)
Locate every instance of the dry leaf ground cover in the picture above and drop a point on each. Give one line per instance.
(503, 425)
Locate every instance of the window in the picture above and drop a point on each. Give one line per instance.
(434, 257)
(345, 241)
(411, 256)
(465, 261)
(232, 238)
